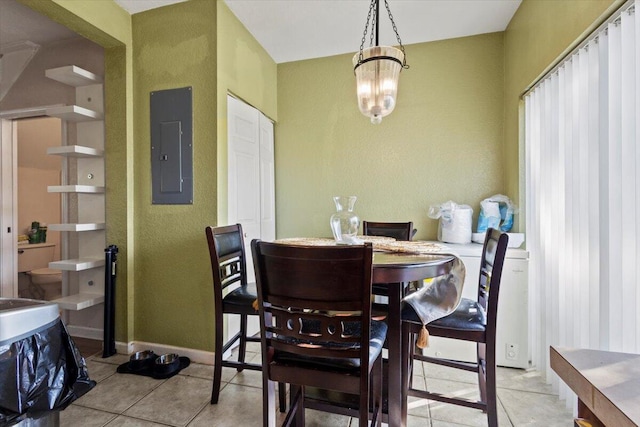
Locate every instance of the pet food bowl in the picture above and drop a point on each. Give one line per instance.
(166, 364)
(141, 359)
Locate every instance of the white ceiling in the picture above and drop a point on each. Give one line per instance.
(19, 23)
(292, 30)
(135, 6)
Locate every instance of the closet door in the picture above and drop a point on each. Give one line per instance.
(267, 180)
(251, 195)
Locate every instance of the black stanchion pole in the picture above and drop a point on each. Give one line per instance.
(109, 345)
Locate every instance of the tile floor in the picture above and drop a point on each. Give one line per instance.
(120, 400)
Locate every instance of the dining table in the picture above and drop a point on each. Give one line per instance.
(395, 266)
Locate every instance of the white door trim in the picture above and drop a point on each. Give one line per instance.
(9, 215)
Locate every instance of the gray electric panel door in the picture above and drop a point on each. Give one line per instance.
(172, 146)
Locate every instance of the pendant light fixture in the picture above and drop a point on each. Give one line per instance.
(377, 69)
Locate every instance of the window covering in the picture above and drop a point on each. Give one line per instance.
(582, 185)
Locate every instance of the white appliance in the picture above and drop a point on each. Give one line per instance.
(512, 341)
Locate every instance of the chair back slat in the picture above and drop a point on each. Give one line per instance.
(325, 327)
(397, 230)
(491, 263)
(228, 260)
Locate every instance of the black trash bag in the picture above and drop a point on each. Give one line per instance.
(41, 373)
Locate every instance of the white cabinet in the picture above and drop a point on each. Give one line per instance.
(83, 193)
(512, 340)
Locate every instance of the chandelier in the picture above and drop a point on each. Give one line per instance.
(377, 69)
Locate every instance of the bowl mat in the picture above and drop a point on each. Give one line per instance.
(148, 371)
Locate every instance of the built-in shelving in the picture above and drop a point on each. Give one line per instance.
(77, 227)
(73, 113)
(75, 189)
(75, 151)
(78, 264)
(79, 301)
(83, 278)
(73, 76)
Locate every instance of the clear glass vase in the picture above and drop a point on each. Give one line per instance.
(345, 223)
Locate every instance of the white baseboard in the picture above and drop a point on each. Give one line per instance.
(196, 356)
(126, 348)
(84, 332)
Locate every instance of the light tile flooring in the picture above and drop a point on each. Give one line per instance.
(183, 400)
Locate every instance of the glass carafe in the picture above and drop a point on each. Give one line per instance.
(345, 223)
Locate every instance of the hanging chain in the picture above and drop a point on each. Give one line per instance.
(373, 22)
(373, 11)
(395, 30)
(366, 27)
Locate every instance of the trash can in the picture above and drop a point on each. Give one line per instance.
(41, 369)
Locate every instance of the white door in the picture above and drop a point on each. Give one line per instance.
(251, 184)
(251, 174)
(8, 215)
(244, 172)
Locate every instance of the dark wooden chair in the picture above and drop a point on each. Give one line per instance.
(473, 321)
(228, 266)
(317, 332)
(397, 230)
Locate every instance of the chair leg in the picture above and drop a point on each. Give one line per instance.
(363, 412)
(407, 369)
(376, 384)
(295, 416)
(491, 392)
(282, 397)
(299, 418)
(482, 371)
(217, 367)
(242, 348)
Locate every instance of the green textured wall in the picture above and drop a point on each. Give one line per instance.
(539, 32)
(246, 70)
(442, 142)
(175, 47)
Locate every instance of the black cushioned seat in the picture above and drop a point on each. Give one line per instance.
(469, 316)
(241, 300)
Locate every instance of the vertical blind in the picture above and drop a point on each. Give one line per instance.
(582, 185)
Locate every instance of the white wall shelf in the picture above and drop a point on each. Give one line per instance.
(77, 227)
(78, 264)
(79, 301)
(73, 113)
(75, 189)
(73, 75)
(83, 281)
(75, 151)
